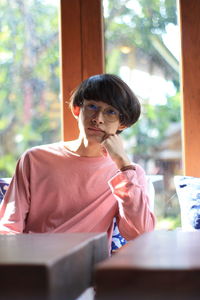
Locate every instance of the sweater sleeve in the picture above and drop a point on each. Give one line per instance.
(15, 205)
(135, 216)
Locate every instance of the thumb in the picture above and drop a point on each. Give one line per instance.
(104, 151)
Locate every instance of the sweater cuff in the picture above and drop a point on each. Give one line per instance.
(121, 179)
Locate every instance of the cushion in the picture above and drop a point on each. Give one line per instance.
(117, 240)
(188, 191)
(4, 183)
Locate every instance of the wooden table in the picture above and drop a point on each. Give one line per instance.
(48, 266)
(162, 265)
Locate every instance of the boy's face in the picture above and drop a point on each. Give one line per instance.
(98, 119)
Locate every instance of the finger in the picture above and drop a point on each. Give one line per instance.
(107, 135)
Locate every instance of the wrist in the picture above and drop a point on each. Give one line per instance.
(121, 163)
(129, 167)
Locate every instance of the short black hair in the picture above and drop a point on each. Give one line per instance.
(112, 90)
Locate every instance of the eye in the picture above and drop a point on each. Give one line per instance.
(111, 112)
(92, 107)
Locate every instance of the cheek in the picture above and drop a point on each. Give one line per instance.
(112, 128)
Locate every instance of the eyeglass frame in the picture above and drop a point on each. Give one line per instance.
(100, 109)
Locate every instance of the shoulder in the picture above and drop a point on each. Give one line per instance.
(54, 147)
(40, 151)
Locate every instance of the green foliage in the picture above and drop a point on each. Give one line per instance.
(113, 62)
(29, 70)
(29, 78)
(132, 24)
(153, 124)
(169, 223)
(133, 33)
(6, 165)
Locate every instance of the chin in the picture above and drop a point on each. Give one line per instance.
(94, 139)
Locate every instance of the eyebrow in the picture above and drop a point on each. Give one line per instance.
(96, 102)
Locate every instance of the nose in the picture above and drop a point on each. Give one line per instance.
(98, 117)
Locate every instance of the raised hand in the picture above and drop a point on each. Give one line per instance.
(114, 146)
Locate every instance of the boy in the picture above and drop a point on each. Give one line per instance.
(81, 185)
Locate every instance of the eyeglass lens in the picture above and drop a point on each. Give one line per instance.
(110, 114)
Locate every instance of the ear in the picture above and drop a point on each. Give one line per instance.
(122, 127)
(76, 111)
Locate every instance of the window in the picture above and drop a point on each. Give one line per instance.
(142, 47)
(29, 78)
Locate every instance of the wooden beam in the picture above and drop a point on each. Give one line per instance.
(92, 38)
(157, 265)
(59, 267)
(190, 62)
(82, 55)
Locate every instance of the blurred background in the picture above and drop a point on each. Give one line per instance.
(141, 46)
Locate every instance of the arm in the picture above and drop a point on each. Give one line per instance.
(15, 205)
(130, 190)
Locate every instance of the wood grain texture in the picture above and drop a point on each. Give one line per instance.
(159, 265)
(82, 55)
(71, 61)
(190, 74)
(49, 266)
(92, 37)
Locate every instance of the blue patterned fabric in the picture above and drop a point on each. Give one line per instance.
(4, 183)
(117, 240)
(188, 191)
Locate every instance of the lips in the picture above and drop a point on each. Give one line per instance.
(96, 130)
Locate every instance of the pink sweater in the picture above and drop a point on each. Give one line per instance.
(54, 190)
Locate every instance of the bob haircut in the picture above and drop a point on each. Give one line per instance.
(112, 90)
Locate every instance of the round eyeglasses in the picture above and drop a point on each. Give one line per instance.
(110, 114)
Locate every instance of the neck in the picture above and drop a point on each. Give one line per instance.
(84, 148)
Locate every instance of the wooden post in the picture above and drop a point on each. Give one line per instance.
(190, 62)
(82, 55)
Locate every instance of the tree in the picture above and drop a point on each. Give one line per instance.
(132, 23)
(130, 26)
(151, 129)
(133, 30)
(29, 77)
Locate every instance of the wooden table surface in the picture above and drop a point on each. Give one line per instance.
(155, 266)
(48, 266)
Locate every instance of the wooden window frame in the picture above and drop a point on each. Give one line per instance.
(82, 51)
(190, 74)
(82, 55)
